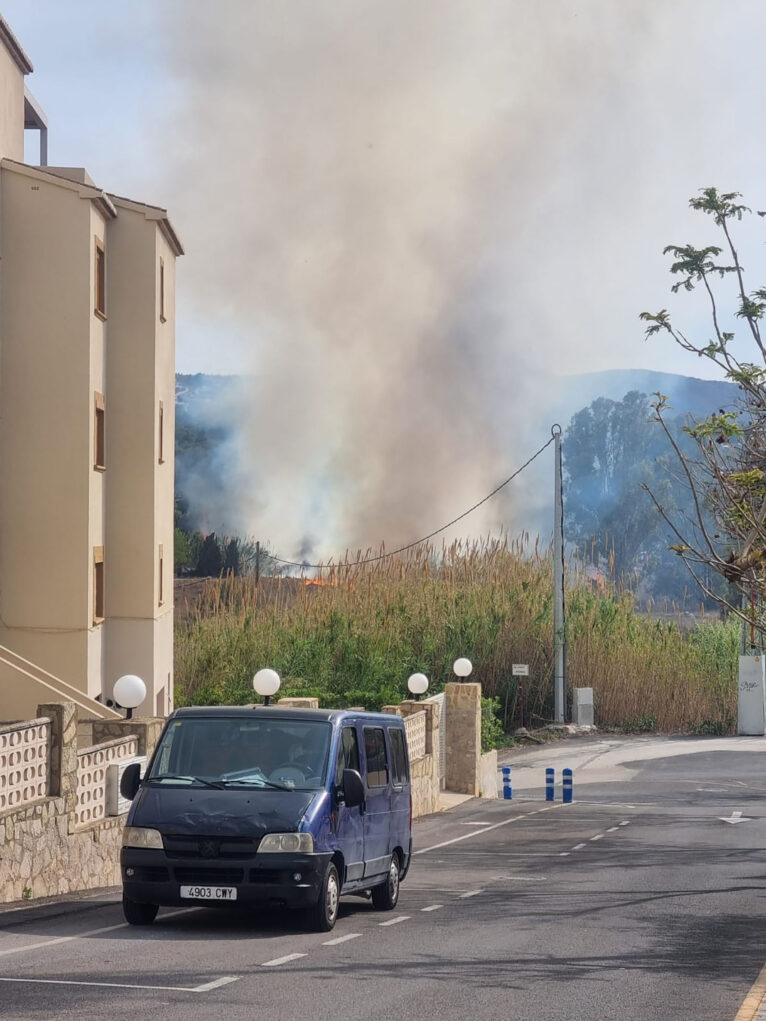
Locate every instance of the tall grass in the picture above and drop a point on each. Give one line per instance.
(354, 639)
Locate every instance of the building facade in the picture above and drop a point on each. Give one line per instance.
(87, 368)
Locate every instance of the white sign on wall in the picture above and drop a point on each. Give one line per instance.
(520, 670)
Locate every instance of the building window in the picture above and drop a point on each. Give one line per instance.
(162, 291)
(161, 457)
(99, 436)
(98, 584)
(161, 565)
(99, 279)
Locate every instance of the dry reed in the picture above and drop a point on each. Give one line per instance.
(354, 634)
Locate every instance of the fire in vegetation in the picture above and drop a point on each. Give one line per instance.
(356, 637)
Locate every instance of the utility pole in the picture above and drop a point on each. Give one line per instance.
(559, 651)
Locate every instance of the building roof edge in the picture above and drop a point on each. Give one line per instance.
(14, 47)
(153, 213)
(85, 191)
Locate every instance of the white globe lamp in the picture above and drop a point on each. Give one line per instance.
(462, 667)
(417, 684)
(129, 692)
(266, 683)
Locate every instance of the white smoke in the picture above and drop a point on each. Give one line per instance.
(411, 212)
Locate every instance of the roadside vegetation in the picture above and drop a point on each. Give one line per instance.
(353, 636)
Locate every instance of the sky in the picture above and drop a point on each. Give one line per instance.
(404, 217)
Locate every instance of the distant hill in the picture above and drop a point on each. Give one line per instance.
(688, 396)
(201, 398)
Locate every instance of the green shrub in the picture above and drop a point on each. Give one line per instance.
(492, 735)
(355, 638)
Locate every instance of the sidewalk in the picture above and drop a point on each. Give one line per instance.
(450, 799)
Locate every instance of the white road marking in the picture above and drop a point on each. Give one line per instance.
(84, 935)
(470, 893)
(341, 939)
(486, 829)
(501, 854)
(522, 879)
(216, 983)
(563, 854)
(625, 823)
(487, 823)
(735, 817)
(395, 921)
(432, 907)
(281, 960)
(598, 836)
(619, 804)
(128, 985)
(612, 829)
(578, 847)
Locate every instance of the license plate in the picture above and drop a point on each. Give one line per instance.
(209, 892)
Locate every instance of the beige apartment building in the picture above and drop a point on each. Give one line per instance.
(87, 383)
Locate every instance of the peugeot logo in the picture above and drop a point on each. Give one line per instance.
(209, 848)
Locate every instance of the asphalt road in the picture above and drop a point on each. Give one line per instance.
(637, 902)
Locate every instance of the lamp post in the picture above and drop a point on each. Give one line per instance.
(266, 683)
(417, 685)
(129, 692)
(462, 668)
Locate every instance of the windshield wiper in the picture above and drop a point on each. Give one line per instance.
(191, 779)
(258, 781)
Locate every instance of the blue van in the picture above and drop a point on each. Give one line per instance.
(268, 806)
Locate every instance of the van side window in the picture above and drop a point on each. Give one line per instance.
(348, 753)
(375, 753)
(398, 755)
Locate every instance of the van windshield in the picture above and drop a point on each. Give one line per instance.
(223, 751)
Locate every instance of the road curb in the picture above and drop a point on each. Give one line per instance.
(752, 1002)
(75, 900)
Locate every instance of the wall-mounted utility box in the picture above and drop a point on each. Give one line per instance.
(751, 696)
(115, 803)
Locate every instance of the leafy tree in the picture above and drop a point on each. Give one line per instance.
(181, 550)
(609, 451)
(210, 563)
(232, 556)
(612, 449)
(725, 530)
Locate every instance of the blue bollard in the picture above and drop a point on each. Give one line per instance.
(550, 779)
(566, 781)
(507, 789)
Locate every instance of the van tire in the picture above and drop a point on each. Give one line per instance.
(386, 896)
(139, 914)
(323, 914)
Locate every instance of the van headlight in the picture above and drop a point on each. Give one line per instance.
(136, 836)
(272, 843)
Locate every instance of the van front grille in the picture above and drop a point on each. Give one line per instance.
(209, 877)
(266, 876)
(181, 845)
(149, 873)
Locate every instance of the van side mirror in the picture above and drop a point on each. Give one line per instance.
(129, 780)
(353, 788)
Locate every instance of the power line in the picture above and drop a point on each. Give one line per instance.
(425, 538)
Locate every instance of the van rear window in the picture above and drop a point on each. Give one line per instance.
(375, 753)
(398, 755)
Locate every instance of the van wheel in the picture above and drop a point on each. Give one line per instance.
(385, 896)
(323, 914)
(139, 914)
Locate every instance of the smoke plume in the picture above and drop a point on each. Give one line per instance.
(404, 213)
